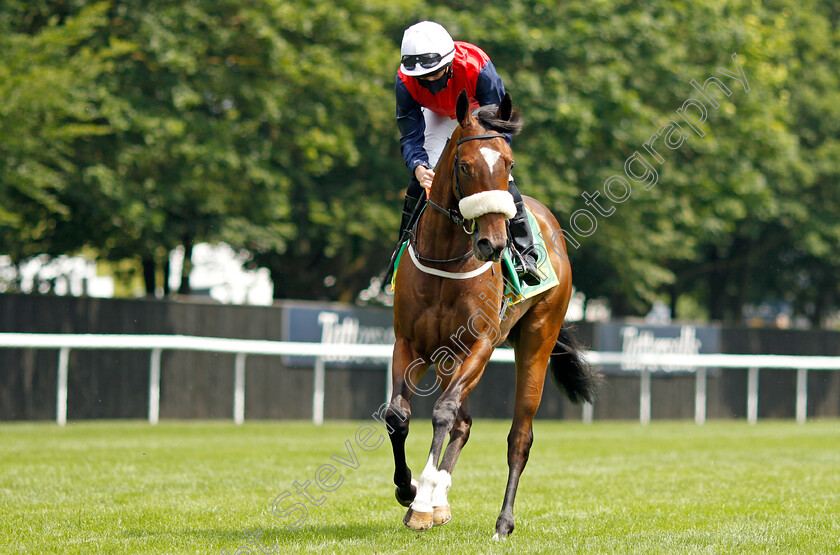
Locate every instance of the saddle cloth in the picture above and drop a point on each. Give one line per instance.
(515, 290)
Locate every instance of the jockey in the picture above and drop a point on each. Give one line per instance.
(434, 69)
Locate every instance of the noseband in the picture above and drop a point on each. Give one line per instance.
(454, 214)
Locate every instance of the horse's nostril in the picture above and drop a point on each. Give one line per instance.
(484, 248)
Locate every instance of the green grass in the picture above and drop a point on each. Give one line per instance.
(197, 487)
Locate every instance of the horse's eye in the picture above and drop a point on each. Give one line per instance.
(464, 168)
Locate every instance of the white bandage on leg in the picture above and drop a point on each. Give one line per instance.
(428, 480)
(487, 202)
(444, 482)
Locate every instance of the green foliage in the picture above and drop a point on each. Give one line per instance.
(48, 104)
(134, 127)
(597, 80)
(744, 214)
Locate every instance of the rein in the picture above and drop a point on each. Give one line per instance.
(454, 214)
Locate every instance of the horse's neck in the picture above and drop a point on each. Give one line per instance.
(437, 236)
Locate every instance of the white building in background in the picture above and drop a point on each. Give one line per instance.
(218, 272)
(61, 275)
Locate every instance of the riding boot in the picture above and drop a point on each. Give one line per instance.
(410, 213)
(525, 257)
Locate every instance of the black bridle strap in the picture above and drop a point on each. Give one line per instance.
(423, 259)
(458, 188)
(413, 237)
(485, 136)
(454, 215)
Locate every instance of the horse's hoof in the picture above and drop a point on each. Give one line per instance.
(441, 515)
(419, 522)
(406, 501)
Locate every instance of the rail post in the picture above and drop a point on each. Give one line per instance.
(752, 395)
(700, 397)
(801, 395)
(644, 398)
(154, 386)
(318, 393)
(239, 389)
(588, 413)
(61, 395)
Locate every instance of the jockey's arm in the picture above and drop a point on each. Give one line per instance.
(425, 176)
(412, 127)
(489, 88)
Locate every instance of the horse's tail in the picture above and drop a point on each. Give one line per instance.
(571, 372)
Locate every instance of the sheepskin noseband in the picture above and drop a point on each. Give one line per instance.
(487, 202)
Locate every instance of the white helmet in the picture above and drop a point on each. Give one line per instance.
(426, 48)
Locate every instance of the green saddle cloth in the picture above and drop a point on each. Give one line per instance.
(515, 290)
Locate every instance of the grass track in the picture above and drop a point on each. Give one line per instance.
(198, 487)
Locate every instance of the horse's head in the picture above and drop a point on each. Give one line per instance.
(481, 170)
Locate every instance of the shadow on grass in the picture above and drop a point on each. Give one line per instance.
(380, 529)
(279, 534)
(373, 537)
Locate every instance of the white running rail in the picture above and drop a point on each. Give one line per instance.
(156, 344)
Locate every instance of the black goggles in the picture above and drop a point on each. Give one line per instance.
(426, 61)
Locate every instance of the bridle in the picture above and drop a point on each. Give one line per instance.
(454, 214)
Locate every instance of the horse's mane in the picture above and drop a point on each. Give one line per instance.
(487, 117)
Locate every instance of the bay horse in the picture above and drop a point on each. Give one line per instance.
(449, 311)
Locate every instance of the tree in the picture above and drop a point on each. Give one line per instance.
(48, 105)
(136, 127)
(264, 124)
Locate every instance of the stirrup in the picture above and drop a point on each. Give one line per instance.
(525, 269)
(529, 276)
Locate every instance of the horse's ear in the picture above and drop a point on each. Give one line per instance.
(505, 108)
(462, 108)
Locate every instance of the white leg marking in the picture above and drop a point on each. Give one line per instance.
(444, 482)
(491, 157)
(432, 489)
(428, 480)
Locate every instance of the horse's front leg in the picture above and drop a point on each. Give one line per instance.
(405, 367)
(458, 437)
(435, 481)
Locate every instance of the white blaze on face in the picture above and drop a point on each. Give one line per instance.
(491, 157)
